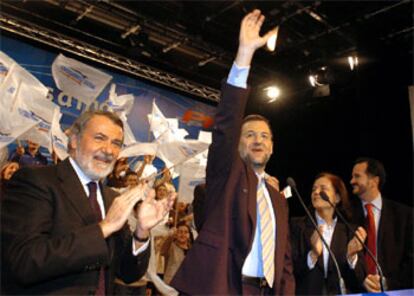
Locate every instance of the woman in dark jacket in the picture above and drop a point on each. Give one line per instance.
(314, 269)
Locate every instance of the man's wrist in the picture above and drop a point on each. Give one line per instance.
(140, 239)
(141, 235)
(244, 57)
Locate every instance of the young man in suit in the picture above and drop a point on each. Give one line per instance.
(243, 246)
(389, 228)
(63, 231)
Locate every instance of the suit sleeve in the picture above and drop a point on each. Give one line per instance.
(288, 279)
(130, 268)
(403, 278)
(226, 133)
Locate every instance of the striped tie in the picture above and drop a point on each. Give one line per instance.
(266, 234)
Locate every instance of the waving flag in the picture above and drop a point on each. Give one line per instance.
(59, 138)
(5, 64)
(122, 105)
(29, 109)
(79, 80)
(33, 101)
(164, 129)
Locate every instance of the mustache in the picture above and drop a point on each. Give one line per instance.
(106, 157)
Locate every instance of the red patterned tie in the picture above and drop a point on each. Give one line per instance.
(371, 240)
(93, 201)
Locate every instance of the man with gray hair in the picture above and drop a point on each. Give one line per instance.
(63, 231)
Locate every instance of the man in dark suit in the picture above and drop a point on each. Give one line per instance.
(238, 251)
(391, 238)
(63, 231)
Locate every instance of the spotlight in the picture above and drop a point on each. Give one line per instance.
(353, 62)
(320, 77)
(312, 80)
(272, 92)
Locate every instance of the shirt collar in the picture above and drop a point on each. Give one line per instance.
(377, 203)
(321, 221)
(261, 176)
(81, 175)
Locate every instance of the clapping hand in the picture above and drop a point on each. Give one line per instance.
(151, 212)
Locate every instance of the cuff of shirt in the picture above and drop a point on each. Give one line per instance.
(141, 249)
(238, 76)
(311, 264)
(352, 261)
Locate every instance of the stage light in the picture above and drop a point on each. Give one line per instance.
(320, 77)
(272, 92)
(312, 80)
(353, 62)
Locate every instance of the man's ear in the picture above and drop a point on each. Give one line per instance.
(376, 181)
(73, 140)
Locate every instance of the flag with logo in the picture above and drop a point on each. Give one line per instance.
(29, 109)
(59, 138)
(79, 80)
(33, 101)
(9, 88)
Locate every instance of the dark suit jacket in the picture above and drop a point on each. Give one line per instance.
(310, 281)
(51, 243)
(213, 265)
(394, 242)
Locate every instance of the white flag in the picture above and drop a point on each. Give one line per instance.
(33, 100)
(164, 129)
(177, 152)
(191, 174)
(122, 105)
(9, 89)
(79, 80)
(59, 138)
(24, 115)
(138, 149)
(5, 64)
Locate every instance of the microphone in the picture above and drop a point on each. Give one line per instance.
(325, 197)
(292, 184)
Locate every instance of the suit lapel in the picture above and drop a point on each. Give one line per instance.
(74, 192)
(252, 198)
(107, 195)
(383, 228)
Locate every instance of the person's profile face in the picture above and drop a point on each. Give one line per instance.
(323, 184)
(256, 145)
(360, 181)
(98, 147)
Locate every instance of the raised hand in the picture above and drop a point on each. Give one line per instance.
(151, 212)
(249, 37)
